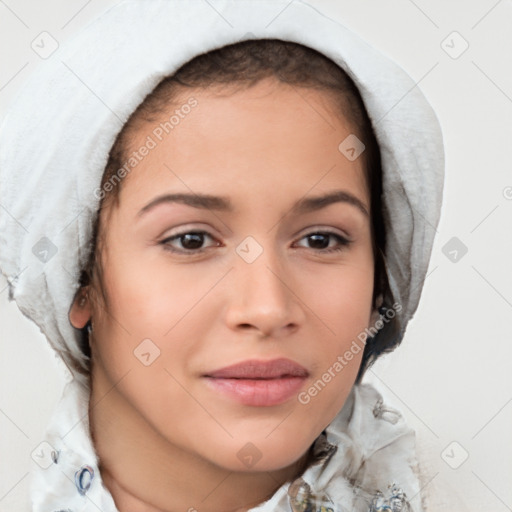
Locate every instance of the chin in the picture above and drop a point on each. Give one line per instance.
(274, 453)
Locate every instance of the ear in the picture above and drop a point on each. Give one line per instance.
(375, 312)
(374, 316)
(80, 312)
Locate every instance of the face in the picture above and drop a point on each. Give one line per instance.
(255, 278)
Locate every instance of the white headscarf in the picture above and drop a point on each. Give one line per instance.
(55, 140)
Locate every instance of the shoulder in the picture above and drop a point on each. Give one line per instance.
(376, 424)
(383, 447)
(68, 460)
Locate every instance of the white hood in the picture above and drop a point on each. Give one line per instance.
(77, 101)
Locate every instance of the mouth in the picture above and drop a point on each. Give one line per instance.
(258, 383)
(254, 369)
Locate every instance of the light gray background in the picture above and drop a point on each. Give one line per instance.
(451, 377)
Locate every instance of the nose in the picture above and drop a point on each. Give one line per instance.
(264, 296)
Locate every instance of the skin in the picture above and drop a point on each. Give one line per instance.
(165, 440)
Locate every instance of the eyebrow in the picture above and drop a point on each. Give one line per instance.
(220, 203)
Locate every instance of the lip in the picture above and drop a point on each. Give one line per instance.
(257, 369)
(258, 383)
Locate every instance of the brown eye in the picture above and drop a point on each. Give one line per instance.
(319, 240)
(190, 241)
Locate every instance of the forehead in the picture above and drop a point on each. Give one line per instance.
(266, 137)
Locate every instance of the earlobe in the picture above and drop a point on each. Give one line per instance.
(375, 316)
(80, 312)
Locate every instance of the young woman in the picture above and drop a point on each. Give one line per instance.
(232, 224)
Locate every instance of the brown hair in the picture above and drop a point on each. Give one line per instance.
(239, 66)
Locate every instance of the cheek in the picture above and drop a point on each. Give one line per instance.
(149, 294)
(341, 295)
(155, 309)
(341, 298)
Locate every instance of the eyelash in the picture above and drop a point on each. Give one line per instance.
(344, 242)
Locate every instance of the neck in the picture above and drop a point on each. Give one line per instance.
(145, 472)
